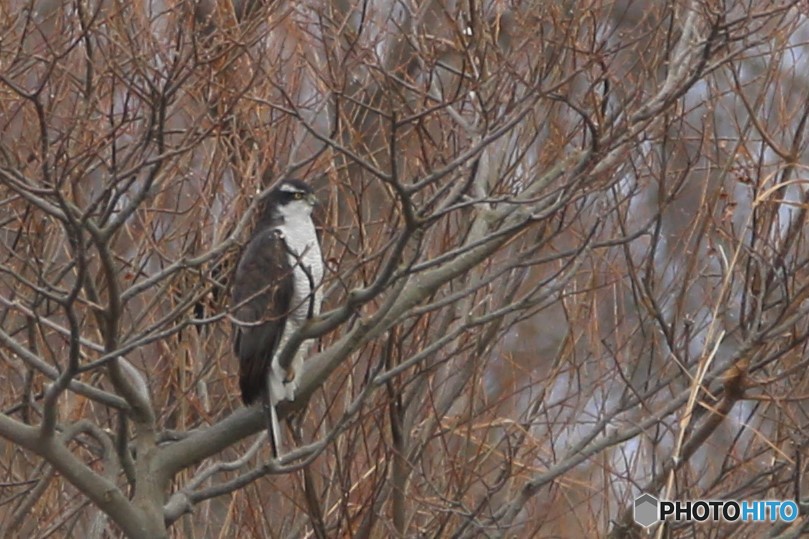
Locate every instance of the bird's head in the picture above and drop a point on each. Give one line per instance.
(290, 198)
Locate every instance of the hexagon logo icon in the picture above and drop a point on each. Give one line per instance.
(646, 510)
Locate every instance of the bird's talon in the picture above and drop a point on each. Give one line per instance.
(289, 375)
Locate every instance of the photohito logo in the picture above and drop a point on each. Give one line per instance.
(649, 510)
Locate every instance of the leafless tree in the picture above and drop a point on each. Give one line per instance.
(565, 251)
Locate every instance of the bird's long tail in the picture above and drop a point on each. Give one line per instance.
(271, 415)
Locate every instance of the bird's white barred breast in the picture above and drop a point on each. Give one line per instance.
(304, 256)
(304, 252)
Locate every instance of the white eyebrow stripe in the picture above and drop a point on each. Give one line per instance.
(289, 188)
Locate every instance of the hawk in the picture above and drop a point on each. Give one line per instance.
(276, 290)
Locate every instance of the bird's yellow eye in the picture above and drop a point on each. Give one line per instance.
(297, 196)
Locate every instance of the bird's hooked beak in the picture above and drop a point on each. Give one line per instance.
(312, 199)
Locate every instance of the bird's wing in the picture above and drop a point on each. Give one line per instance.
(262, 294)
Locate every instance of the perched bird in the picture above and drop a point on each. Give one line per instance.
(276, 289)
